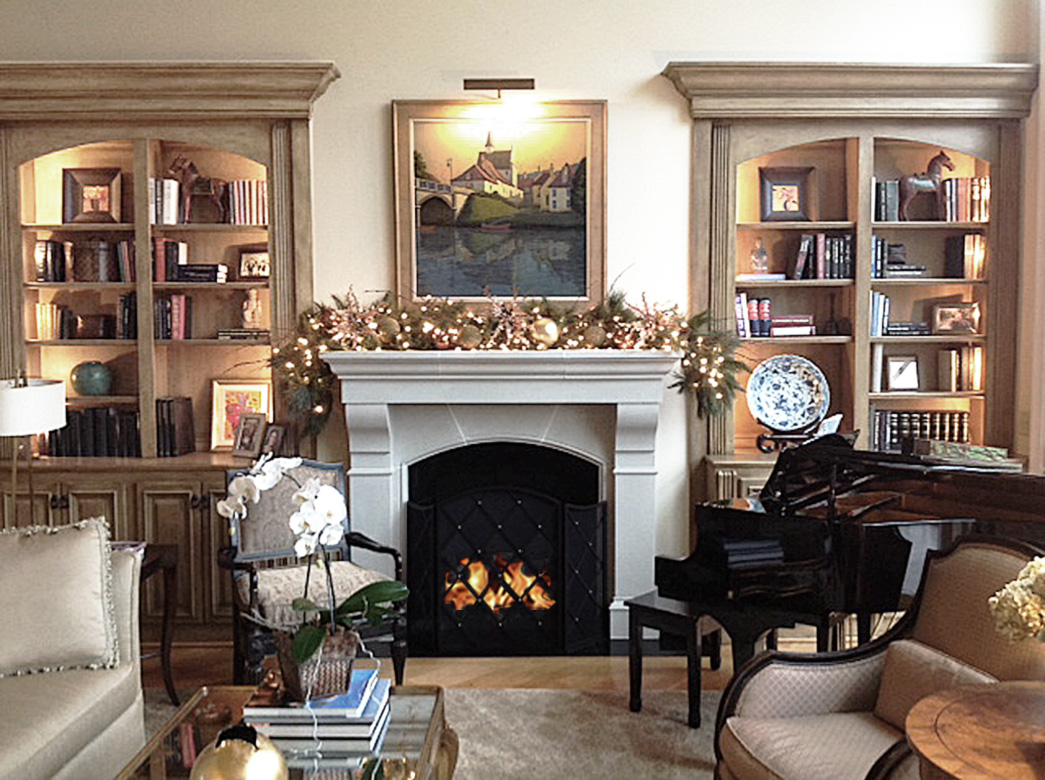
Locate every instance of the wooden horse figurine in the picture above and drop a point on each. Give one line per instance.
(930, 181)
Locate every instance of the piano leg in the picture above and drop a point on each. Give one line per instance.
(863, 627)
(635, 660)
(693, 675)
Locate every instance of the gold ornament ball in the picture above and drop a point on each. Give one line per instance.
(546, 331)
(594, 335)
(470, 337)
(388, 328)
(232, 756)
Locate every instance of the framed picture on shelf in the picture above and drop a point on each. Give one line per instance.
(785, 194)
(249, 437)
(230, 400)
(91, 194)
(272, 444)
(902, 372)
(487, 207)
(956, 318)
(254, 263)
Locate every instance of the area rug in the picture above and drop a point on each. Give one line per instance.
(526, 733)
(521, 733)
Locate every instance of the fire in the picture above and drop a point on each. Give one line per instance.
(511, 585)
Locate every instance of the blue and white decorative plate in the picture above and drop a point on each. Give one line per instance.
(788, 393)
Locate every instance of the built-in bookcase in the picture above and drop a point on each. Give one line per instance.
(888, 122)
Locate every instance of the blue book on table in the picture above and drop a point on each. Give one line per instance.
(351, 703)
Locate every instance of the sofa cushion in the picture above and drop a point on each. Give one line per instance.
(56, 603)
(278, 587)
(60, 714)
(913, 671)
(811, 747)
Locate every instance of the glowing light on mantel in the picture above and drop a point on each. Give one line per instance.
(509, 586)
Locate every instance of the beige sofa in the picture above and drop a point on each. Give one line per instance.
(77, 722)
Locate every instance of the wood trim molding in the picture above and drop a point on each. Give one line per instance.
(158, 91)
(808, 89)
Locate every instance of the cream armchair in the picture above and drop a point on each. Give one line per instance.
(832, 716)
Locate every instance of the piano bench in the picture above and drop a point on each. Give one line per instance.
(672, 617)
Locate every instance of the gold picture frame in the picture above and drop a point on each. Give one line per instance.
(493, 200)
(229, 400)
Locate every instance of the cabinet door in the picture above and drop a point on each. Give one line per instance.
(168, 513)
(99, 497)
(216, 529)
(45, 499)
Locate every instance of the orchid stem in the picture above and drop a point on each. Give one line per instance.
(330, 589)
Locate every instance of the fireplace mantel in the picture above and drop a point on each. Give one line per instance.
(403, 406)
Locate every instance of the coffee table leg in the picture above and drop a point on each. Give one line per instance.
(693, 673)
(635, 659)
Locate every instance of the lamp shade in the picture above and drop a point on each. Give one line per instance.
(35, 407)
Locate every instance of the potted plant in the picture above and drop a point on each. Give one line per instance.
(315, 653)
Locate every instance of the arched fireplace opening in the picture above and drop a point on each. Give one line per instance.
(506, 550)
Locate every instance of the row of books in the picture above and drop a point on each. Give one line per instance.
(101, 431)
(889, 261)
(965, 257)
(170, 263)
(166, 205)
(329, 731)
(247, 202)
(175, 432)
(822, 256)
(960, 368)
(965, 199)
(55, 322)
(755, 320)
(89, 261)
(172, 316)
(890, 429)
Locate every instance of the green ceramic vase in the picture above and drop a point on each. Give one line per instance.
(91, 378)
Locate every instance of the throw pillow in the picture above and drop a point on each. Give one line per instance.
(56, 601)
(912, 672)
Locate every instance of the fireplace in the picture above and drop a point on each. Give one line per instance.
(602, 406)
(507, 544)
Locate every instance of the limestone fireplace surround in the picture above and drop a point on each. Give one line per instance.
(601, 405)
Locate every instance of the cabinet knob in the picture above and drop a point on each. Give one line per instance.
(55, 502)
(64, 503)
(194, 502)
(204, 503)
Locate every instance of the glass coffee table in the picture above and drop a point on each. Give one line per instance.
(418, 743)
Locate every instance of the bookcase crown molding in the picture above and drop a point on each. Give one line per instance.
(838, 90)
(161, 90)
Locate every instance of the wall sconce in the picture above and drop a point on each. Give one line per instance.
(499, 84)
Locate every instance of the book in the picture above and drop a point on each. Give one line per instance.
(802, 256)
(761, 277)
(739, 305)
(963, 454)
(340, 706)
(330, 746)
(877, 361)
(792, 330)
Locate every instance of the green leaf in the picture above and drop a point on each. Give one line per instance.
(368, 598)
(306, 642)
(305, 605)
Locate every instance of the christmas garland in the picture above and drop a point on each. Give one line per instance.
(708, 368)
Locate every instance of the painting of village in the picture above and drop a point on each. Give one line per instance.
(501, 211)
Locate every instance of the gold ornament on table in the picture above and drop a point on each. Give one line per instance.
(708, 369)
(546, 331)
(240, 753)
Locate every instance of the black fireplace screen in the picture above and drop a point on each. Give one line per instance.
(506, 569)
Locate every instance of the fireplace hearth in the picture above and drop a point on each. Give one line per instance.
(507, 544)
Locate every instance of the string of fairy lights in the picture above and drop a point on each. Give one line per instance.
(708, 367)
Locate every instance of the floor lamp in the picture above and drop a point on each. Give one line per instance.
(29, 406)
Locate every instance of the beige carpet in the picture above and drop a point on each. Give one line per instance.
(580, 735)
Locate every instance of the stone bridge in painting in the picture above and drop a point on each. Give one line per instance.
(436, 203)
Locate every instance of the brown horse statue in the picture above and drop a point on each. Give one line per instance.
(930, 181)
(201, 197)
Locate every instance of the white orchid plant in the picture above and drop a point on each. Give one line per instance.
(318, 523)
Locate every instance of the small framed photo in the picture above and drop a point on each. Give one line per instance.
(956, 318)
(785, 194)
(272, 444)
(254, 263)
(902, 372)
(91, 195)
(231, 399)
(249, 436)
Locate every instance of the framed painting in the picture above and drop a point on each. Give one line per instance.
(91, 194)
(496, 200)
(785, 194)
(956, 318)
(248, 439)
(231, 399)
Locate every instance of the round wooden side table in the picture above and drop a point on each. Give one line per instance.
(981, 731)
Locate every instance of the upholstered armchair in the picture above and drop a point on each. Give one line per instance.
(267, 576)
(831, 716)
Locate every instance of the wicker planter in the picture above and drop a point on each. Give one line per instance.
(325, 672)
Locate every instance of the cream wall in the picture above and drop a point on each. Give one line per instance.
(594, 49)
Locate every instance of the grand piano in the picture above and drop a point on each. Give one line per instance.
(826, 537)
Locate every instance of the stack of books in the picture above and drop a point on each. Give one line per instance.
(341, 730)
(247, 334)
(745, 553)
(792, 325)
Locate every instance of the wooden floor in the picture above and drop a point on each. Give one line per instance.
(194, 665)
